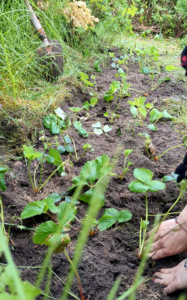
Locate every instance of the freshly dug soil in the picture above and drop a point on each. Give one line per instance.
(110, 253)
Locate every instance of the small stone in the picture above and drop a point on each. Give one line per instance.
(132, 266)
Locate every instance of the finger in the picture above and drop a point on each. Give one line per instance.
(170, 288)
(167, 271)
(157, 280)
(159, 275)
(156, 246)
(148, 234)
(161, 253)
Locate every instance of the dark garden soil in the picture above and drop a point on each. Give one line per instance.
(110, 253)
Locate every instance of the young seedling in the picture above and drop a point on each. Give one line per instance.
(85, 80)
(58, 122)
(144, 184)
(149, 148)
(117, 90)
(159, 80)
(97, 66)
(111, 216)
(140, 109)
(98, 129)
(81, 130)
(126, 165)
(155, 115)
(43, 206)
(48, 234)
(52, 157)
(91, 174)
(93, 227)
(86, 105)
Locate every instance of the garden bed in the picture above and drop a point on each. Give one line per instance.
(110, 253)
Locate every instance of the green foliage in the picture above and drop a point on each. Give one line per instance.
(93, 171)
(81, 130)
(98, 129)
(47, 232)
(126, 165)
(144, 182)
(38, 207)
(167, 17)
(8, 289)
(97, 66)
(85, 80)
(55, 123)
(2, 181)
(155, 115)
(139, 108)
(111, 215)
(52, 157)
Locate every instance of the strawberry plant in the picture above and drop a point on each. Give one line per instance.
(52, 234)
(91, 174)
(126, 165)
(85, 80)
(139, 108)
(58, 122)
(86, 105)
(144, 184)
(118, 90)
(52, 157)
(98, 129)
(81, 130)
(111, 216)
(39, 207)
(155, 115)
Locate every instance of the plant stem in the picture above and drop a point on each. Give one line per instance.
(170, 149)
(36, 188)
(29, 170)
(2, 216)
(66, 143)
(76, 273)
(73, 146)
(50, 177)
(41, 168)
(146, 220)
(181, 192)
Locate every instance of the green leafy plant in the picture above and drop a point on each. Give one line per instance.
(145, 57)
(111, 216)
(126, 165)
(91, 174)
(3, 170)
(119, 90)
(98, 129)
(81, 130)
(47, 232)
(39, 207)
(155, 115)
(86, 105)
(140, 109)
(85, 80)
(159, 80)
(55, 123)
(144, 184)
(97, 66)
(53, 157)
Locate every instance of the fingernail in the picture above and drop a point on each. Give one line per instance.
(153, 279)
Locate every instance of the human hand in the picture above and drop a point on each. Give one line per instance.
(174, 278)
(170, 239)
